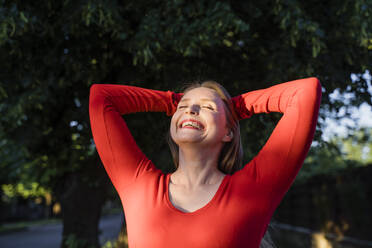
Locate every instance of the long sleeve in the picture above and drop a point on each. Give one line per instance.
(122, 158)
(278, 162)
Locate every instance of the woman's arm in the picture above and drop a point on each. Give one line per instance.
(280, 159)
(122, 158)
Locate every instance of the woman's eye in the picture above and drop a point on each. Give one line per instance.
(181, 106)
(208, 107)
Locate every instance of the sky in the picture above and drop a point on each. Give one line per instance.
(363, 114)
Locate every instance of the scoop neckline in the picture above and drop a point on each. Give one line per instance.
(210, 203)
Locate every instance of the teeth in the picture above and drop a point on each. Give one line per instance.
(192, 124)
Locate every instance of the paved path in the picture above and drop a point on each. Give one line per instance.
(50, 236)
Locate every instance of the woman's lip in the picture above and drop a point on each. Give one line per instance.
(201, 124)
(191, 128)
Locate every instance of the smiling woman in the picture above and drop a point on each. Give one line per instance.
(208, 201)
(219, 102)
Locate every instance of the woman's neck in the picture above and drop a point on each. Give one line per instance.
(197, 167)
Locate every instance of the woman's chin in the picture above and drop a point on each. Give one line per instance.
(187, 137)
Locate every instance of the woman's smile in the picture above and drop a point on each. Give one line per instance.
(200, 118)
(191, 124)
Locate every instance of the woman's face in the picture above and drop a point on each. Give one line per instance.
(200, 118)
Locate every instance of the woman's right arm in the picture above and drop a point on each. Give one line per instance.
(121, 157)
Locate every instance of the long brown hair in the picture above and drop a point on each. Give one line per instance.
(230, 158)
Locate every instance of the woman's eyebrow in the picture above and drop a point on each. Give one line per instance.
(202, 99)
(207, 100)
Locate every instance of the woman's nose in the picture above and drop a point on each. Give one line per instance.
(193, 110)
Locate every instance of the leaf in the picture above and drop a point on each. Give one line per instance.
(23, 17)
(227, 43)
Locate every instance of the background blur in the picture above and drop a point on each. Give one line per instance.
(51, 52)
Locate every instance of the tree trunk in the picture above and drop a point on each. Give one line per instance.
(82, 197)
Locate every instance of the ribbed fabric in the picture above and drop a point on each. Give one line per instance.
(239, 212)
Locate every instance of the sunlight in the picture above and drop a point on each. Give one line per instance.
(319, 241)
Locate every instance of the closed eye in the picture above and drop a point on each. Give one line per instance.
(208, 107)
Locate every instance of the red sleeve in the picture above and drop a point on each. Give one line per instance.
(280, 159)
(122, 158)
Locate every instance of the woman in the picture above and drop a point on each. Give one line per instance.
(207, 201)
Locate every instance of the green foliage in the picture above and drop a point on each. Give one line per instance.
(324, 159)
(114, 244)
(25, 191)
(187, 29)
(340, 153)
(109, 244)
(358, 145)
(53, 51)
(72, 241)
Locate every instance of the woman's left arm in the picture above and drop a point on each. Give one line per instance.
(278, 162)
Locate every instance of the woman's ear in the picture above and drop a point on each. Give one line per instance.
(228, 137)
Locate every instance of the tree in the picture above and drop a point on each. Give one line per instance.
(52, 51)
(357, 146)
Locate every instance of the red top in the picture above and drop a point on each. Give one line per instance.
(238, 214)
